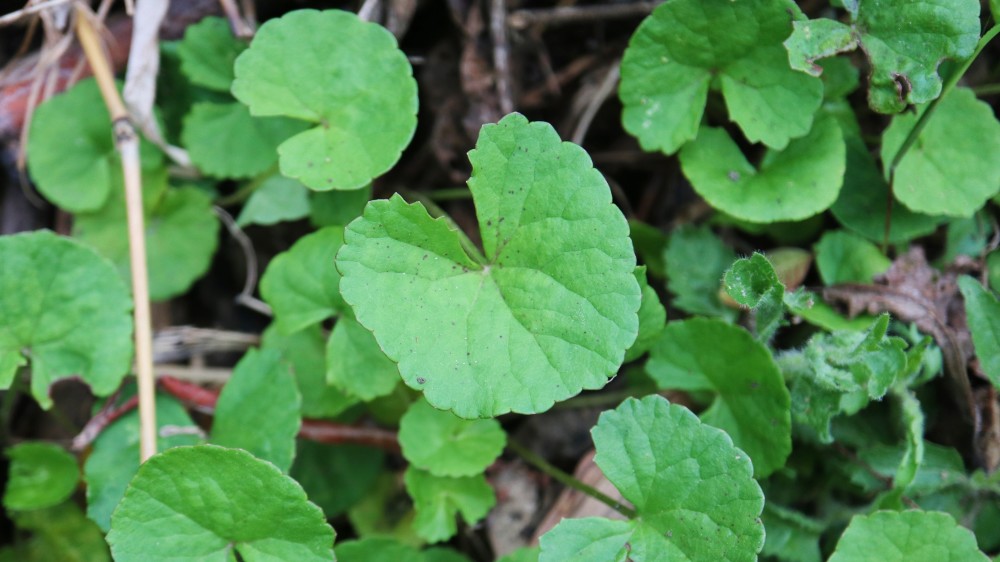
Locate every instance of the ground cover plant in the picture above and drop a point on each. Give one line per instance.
(775, 321)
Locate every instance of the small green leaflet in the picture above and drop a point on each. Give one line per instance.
(65, 311)
(791, 536)
(444, 444)
(751, 402)
(71, 153)
(355, 364)
(791, 184)
(652, 318)
(114, 459)
(842, 257)
(302, 285)
(277, 199)
(60, 533)
(202, 503)
(336, 477)
(753, 283)
(41, 475)
(954, 167)
(386, 511)
(345, 76)
(258, 409)
(207, 53)
(337, 208)
(684, 45)
(304, 350)
(904, 41)
(555, 294)
(693, 490)
(982, 312)
(696, 260)
(438, 499)
(907, 536)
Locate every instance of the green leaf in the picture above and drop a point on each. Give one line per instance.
(650, 243)
(66, 311)
(696, 261)
(982, 310)
(304, 350)
(752, 282)
(751, 403)
(41, 475)
(344, 75)
(555, 295)
(335, 477)
(438, 499)
(302, 285)
(337, 208)
(277, 199)
(208, 52)
(841, 373)
(907, 536)
(71, 152)
(913, 451)
(791, 536)
(904, 41)
(258, 409)
(443, 444)
(942, 468)
(693, 490)
(652, 318)
(380, 549)
(968, 236)
(862, 203)
(356, 365)
(523, 554)
(793, 184)
(225, 141)
(684, 45)
(204, 502)
(386, 511)
(181, 238)
(842, 257)
(114, 459)
(60, 533)
(954, 167)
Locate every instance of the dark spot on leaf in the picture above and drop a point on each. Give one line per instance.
(425, 257)
(421, 380)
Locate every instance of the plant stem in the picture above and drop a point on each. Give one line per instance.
(925, 117)
(451, 194)
(567, 479)
(127, 144)
(987, 90)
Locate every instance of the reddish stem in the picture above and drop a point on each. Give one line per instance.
(205, 400)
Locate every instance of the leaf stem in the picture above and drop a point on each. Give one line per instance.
(541, 464)
(127, 144)
(451, 194)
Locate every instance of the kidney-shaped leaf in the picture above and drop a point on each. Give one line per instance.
(677, 51)
(793, 184)
(752, 402)
(208, 51)
(907, 536)
(41, 475)
(201, 503)
(344, 75)
(954, 166)
(65, 309)
(905, 42)
(549, 311)
(445, 445)
(693, 491)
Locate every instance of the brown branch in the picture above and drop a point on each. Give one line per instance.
(97, 424)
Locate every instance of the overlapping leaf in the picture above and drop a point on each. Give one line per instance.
(443, 444)
(71, 153)
(258, 409)
(355, 364)
(304, 350)
(207, 502)
(751, 403)
(904, 41)
(65, 310)
(181, 236)
(791, 184)
(982, 310)
(954, 167)
(207, 53)
(684, 45)
(277, 199)
(907, 536)
(652, 318)
(41, 475)
(842, 257)
(696, 261)
(548, 311)
(693, 490)
(438, 499)
(345, 76)
(336, 477)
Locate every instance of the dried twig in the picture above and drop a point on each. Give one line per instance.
(245, 297)
(501, 54)
(605, 90)
(127, 144)
(564, 15)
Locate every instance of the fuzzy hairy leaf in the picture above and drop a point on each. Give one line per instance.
(555, 295)
(345, 76)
